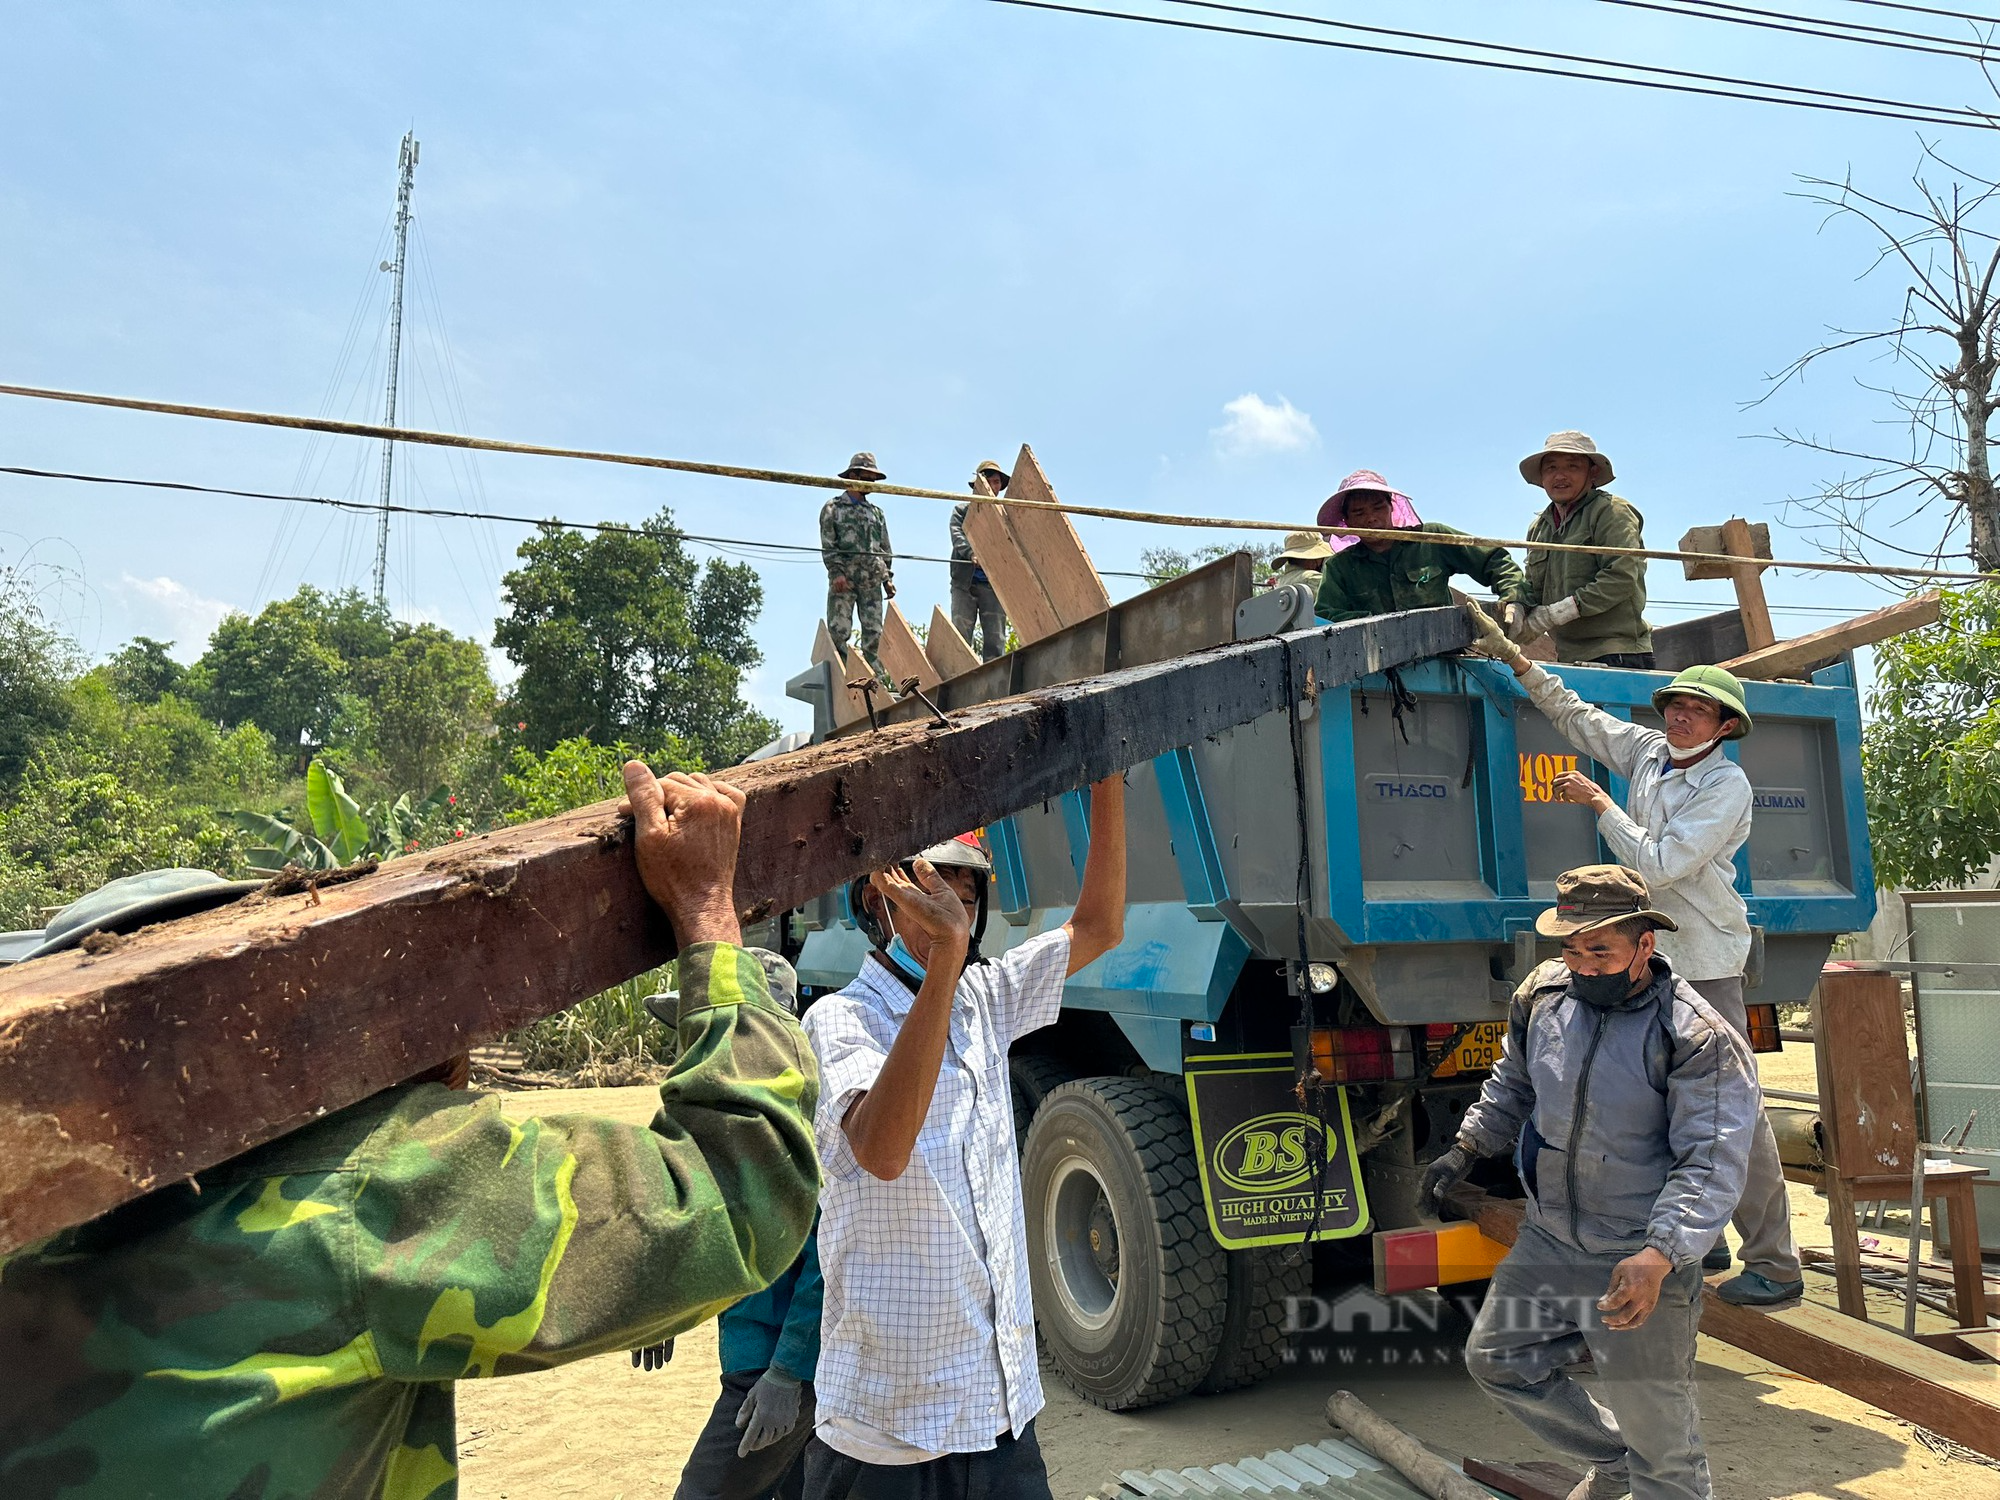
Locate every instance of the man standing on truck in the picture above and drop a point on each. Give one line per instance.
(1631, 1101)
(860, 569)
(927, 1381)
(972, 596)
(1686, 814)
(1592, 605)
(1377, 575)
(292, 1321)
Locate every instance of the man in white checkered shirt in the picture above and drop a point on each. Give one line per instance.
(927, 1383)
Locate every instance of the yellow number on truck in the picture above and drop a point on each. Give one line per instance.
(1539, 773)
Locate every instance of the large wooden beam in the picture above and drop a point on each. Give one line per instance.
(155, 1056)
(1952, 1397)
(1790, 658)
(1034, 558)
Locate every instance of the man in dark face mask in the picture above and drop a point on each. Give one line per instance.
(1630, 1103)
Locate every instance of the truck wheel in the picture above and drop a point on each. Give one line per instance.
(1128, 1283)
(1031, 1076)
(1261, 1284)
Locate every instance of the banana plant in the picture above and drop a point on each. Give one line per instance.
(341, 831)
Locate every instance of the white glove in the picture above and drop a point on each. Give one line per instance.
(1488, 638)
(769, 1411)
(1511, 616)
(1547, 617)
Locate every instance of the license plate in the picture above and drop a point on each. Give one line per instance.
(1477, 1053)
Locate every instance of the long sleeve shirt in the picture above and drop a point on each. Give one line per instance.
(1610, 592)
(1634, 1120)
(854, 540)
(1415, 574)
(1679, 828)
(291, 1323)
(777, 1328)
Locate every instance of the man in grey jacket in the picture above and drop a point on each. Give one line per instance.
(1686, 814)
(1632, 1101)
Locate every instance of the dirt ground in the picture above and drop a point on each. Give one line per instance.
(605, 1430)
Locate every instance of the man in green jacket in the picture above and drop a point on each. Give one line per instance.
(1377, 575)
(291, 1322)
(1591, 605)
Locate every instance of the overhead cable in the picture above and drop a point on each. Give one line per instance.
(1817, 27)
(620, 528)
(834, 482)
(1744, 90)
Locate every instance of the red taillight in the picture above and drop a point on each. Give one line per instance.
(1764, 1035)
(1363, 1054)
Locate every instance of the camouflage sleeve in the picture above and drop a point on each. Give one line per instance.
(829, 539)
(485, 1246)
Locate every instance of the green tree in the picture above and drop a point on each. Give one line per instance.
(36, 665)
(621, 638)
(1930, 752)
(1162, 564)
(275, 672)
(431, 698)
(143, 670)
(576, 773)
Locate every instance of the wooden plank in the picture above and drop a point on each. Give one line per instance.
(1537, 1479)
(946, 648)
(1704, 640)
(1710, 539)
(1034, 558)
(903, 654)
(1955, 1399)
(1867, 1109)
(1749, 581)
(178, 1047)
(847, 703)
(1790, 658)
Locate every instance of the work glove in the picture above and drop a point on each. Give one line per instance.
(768, 1412)
(1512, 616)
(1547, 617)
(653, 1356)
(1441, 1176)
(1489, 639)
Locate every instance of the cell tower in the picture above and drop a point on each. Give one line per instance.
(405, 183)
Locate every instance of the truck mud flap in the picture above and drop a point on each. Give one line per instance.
(1257, 1150)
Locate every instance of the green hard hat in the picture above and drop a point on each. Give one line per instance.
(1714, 684)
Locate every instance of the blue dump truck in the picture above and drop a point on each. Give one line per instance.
(1329, 911)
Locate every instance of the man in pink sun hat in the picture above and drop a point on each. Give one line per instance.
(1377, 575)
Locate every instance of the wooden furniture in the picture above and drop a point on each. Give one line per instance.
(1868, 1112)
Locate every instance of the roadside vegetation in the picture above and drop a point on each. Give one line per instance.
(322, 730)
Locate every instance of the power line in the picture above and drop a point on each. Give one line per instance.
(1815, 26)
(801, 480)
(720, 543)
(1824, 100)
(1929, 10)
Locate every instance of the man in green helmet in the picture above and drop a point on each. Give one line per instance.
(1686, 813)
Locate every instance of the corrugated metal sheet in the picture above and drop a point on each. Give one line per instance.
(1330, 1469)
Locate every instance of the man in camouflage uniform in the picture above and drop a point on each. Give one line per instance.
(854, 545)
(972, 595)
(291, 1322)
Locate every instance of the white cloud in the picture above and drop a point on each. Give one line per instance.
(184, 617)
(1257, 426)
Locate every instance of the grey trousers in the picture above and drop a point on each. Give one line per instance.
(972, 599)
(1764, 1216)
(714, 1472)
(1541, 1314)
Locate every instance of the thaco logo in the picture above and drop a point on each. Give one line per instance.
(1271, 1154)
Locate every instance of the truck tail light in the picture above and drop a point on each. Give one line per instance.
(1764, 1029)
(1363, 1054)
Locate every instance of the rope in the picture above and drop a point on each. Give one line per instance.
(831, 482)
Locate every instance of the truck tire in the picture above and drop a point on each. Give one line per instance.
(1031, 1076)
(1128, 1284)
(1261, 1282)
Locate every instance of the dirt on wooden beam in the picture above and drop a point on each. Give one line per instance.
(184, 1044)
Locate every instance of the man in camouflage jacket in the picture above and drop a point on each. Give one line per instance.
(291, 1323)
(860, 570)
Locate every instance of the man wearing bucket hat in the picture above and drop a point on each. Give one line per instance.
(1376, 575)
(1686, 814)
(1628, 1102)
(860, 568)
(927, 1383)
(293, 1320)
(1594, 606)
(1305, 554)
(972, 596)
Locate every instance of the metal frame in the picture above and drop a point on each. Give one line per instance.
(1931, 898)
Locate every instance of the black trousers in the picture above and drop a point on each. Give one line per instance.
(1011, 1470)
(714, 1472)
(1637, 661)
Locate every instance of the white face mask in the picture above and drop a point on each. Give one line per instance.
(1692, 752)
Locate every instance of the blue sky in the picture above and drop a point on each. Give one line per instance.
(773, 233)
